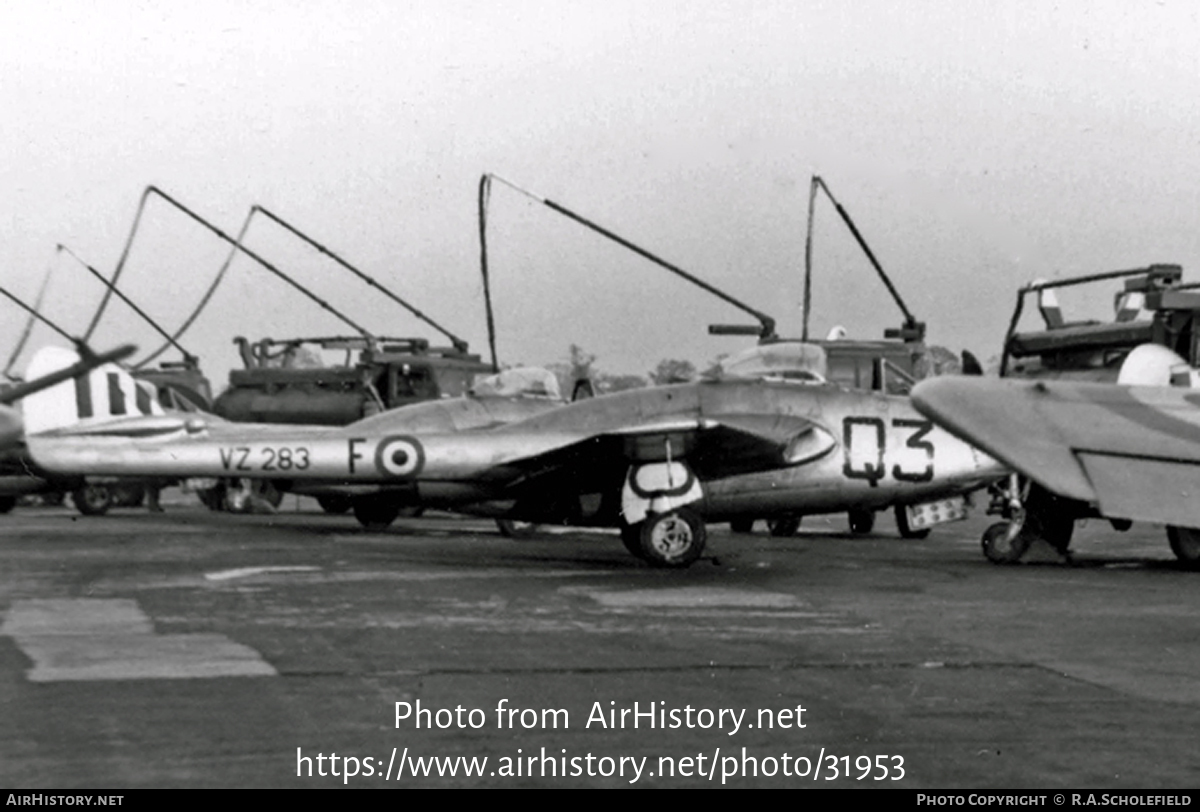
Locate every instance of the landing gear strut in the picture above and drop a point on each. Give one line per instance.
(1032, 513)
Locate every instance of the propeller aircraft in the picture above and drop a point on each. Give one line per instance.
(1124, 452)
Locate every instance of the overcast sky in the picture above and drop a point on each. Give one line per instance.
(978, 145)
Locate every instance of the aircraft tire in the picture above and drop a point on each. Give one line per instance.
(92, 500)
(862, 521)
(742, 525)
(784, 526)
(335, 503)
(511, 529)
(1185, 544)
(998, 549)
(7, 503)
(375, 514)
(907, 532)
(674, 539)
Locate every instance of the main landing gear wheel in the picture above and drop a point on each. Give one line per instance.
(673, 539)
(375, 514)
(862, 521)
(1000, 548)
(742, 525)
(1185, 543)
(906, 531)
(7, 503)
(336, 503)
(784, 526)
(92, 500)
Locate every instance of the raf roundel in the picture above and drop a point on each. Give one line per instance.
(399, 456)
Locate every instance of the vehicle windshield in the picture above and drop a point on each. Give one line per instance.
(791, 361)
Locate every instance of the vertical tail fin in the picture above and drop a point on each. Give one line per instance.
(105, 393)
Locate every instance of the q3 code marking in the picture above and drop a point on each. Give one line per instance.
(864, 440)
(266, 458)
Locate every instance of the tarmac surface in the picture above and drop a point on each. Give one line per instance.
(195, 649)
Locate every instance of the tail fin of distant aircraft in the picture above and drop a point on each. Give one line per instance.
(103, 393)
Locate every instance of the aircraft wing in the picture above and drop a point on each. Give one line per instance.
(1133, 452)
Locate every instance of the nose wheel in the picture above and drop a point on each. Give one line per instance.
(1005, 543)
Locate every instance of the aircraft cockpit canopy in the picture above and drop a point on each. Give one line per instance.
(525, 382)
(789, 361)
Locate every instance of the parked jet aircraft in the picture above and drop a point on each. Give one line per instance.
(1129, 453)
(764, 437)
(15, 476)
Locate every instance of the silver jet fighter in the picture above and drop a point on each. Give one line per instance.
(765, 436)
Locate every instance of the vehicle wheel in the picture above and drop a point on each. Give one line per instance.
(784, 526)
(335, 503)
(674, 539)
(511, 529)
(742, 525)
(862, 521)
(375, 514)
(907, 532)
(631, 538)
(7, 503)
(999, 548)
(92, 500)
(1185, 543)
